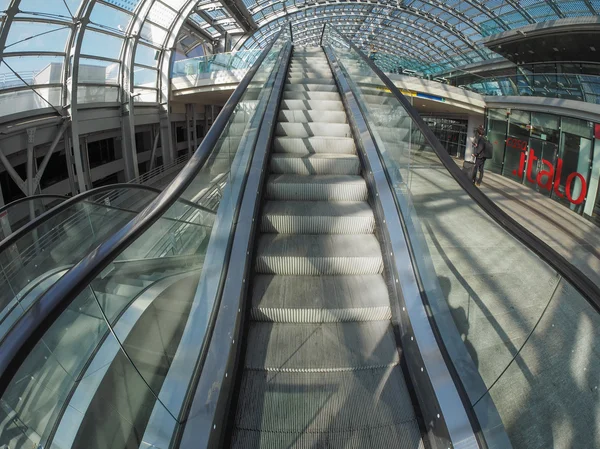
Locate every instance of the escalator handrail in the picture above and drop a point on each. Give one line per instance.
(26, 333)
(583, 284)
(42, 218)
(30, 198)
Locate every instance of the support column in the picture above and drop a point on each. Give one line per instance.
(206, 115)
(156, 136)
(76, 155)
(473, 123)
(166, 141)
(70, 165)
(129, 147)
(189, 123)
(85, 154)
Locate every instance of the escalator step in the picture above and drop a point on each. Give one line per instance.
(315, 164)
(401, 436)
(318, 254)
(311, 95)
(317, 188)
(290, 347)
(323, 402)
(313, 130)
(314, 145)
(312, 105)
(317, 217)
(296, 116)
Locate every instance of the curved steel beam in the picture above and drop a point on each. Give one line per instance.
(348, 16)
(346, 7)
(401, 44)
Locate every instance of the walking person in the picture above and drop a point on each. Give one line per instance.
(483, 150)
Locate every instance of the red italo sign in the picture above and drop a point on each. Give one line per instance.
(546, 178)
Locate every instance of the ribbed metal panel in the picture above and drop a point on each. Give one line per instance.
(311, 116)
(282, 315)
(318, 266)
(302, 224)
(318, 402)
(334, 190)
(399, 436)
(322, 347)
(312, 129)
(310, 87)
(312, 105)
(312, 96)
(315, 165)
(313, 145)
(311, 80)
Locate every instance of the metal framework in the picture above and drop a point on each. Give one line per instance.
(59, 56)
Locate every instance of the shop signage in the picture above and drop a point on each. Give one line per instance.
(551, 175)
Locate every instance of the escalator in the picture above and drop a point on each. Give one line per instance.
(322, 367)
(319, 275)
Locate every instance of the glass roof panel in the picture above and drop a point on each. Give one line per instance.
(110, 18)
(161, 15)
(66, 9)
(101, 44)
(154, 34)
(129, 5)
(146, 55)
(36, 37)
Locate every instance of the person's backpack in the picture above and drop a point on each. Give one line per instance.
(488, 149)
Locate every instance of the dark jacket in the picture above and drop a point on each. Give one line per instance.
(483, 148)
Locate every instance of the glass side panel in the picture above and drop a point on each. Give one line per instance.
(13, 216)
(519, 336)
(57, 244)
(117, 364)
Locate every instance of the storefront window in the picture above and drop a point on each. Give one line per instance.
(543, 151)
(576, 158)
(497, 136)
(557, 156)
(517, 142)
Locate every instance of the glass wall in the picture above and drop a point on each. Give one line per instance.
(451, 132)
(559, 157)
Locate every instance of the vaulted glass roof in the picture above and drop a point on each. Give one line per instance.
(58, 53)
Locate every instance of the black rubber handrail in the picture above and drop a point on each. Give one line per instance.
(584, 285)
(26, 333)
(42, 218)
(31, 198)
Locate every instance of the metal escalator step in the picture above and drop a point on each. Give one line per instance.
(299, 254)
(312, 105)
(324, 347)
(399, 436)
(314, 145)
(310, 88)
(304, 65)
(322, 71)
(316, 188)
(313, 130)
(315, 164)
(312, 116)
(312, 80)
(311, 95)
(319, 299)
(317, 217)
(319, 402)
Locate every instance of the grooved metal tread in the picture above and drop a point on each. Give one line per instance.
(319, 208)
(317, 217)
(319, 299)
(314, 145)
(316, 187)
(321, 164)
(313, 129)
(302, 245)
(317, 402)
(398, 436)
(304, 116)
(323, 347)
(312, 105)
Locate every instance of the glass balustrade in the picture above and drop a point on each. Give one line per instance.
(522, 340)
(114, 370)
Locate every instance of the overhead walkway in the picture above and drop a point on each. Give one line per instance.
(327, 291)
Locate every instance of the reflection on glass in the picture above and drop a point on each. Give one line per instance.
(503, 312)
(112, 371)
